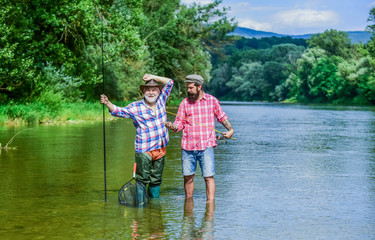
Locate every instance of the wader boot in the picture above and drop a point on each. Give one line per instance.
(154, 191)
(140, 194)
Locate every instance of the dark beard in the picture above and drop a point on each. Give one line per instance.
(193, 97)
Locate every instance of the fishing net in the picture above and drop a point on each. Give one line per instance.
(133, 193)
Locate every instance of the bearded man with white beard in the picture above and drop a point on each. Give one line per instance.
(149, 116)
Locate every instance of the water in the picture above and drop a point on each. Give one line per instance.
(295, 172)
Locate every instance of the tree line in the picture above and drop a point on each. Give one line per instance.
(51, 51)
(324, 69)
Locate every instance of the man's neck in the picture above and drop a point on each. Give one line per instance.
(201, 93)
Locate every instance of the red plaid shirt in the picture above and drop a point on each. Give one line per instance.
(197, 120)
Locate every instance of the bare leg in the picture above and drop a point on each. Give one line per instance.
(210, 188)
(189, 185)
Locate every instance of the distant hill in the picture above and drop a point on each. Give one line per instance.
(355, 36)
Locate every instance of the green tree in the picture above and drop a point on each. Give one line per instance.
(16, 63)
(179, 37)
(297, 83)
(335, 43)
(248, 82)
(220, 76)
(47, 39)
(324, 82)
(371, 18)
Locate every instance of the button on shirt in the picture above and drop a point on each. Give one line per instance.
(197, 120)
(151, 133)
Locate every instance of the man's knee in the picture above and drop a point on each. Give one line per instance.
(188, 179)
(209, 179)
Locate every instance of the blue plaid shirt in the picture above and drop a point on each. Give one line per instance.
(151, 133)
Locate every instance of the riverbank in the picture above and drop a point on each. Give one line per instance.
(72, 113)
(61, 113)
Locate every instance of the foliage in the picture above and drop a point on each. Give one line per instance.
(329, 70)
(179, 37)
(52, 54)
(338, 73)
(56, 49)
(254, 74)
(335, 43)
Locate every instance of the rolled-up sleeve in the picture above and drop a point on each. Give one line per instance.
(124, 112)
(166, 91)
(219, 113)
(180, 118)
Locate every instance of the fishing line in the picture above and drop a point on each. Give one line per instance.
(104, 144)
(198, 123)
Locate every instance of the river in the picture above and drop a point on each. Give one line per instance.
(294, 172)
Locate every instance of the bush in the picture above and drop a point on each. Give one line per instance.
(22, 112)
(51, 102)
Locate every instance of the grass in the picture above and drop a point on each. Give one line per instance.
(40, 113)
(31, 113)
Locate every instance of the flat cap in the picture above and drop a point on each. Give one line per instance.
(194, 78)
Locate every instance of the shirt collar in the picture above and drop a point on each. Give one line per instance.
(204, 97)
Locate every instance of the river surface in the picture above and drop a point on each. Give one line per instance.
(294, 172)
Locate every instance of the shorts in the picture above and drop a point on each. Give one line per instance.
(205, 158)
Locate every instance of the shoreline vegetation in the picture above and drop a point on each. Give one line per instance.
(57, 57)
(74, 113)
(61, 114)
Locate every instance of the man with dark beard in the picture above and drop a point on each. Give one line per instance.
(196, 117)
(152, 137)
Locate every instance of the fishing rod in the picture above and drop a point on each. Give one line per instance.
(198, 123)
(104, 143)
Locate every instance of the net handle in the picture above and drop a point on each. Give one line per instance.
(134, 169)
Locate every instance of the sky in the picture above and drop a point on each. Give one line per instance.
(295, 17)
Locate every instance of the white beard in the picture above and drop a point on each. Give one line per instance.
(151, 99)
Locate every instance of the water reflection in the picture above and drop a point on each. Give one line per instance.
(144, 223)
(205, 229)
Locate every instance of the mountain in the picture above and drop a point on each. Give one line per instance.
(355, 36)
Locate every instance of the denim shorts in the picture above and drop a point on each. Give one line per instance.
(205, 158)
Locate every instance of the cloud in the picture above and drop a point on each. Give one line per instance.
(292, 21)
(249, 23)
(246, 6)
(284, 18)
(306, 18)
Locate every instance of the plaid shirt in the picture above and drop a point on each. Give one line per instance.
(151, 133)
(198, 122)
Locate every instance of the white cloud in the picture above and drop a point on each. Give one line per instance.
(248, 23)
(306, 18)
(246, 6)
(296, 17)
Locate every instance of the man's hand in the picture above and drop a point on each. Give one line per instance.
(163, 80)
(171, 126)
(148, 77)
(228, 134)
(104, 100)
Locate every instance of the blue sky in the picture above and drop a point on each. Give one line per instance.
(299, 16)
